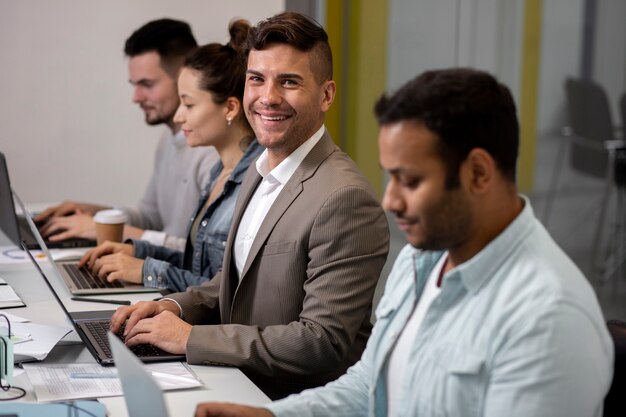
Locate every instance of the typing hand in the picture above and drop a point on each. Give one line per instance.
(230, 410)
(66, 208)
(165, 330)
(107, 248)
(143, 309)
(119, 266)
(76, 225)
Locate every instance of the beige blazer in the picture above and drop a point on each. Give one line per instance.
(301, 314)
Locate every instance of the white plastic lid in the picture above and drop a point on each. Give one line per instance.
(112, 216)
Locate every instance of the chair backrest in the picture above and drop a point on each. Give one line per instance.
(589, 110)
(614, 404)
(590, 119)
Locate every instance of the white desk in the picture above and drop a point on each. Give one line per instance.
(221, 383)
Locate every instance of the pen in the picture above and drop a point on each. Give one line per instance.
(100, 300)
(93, 375)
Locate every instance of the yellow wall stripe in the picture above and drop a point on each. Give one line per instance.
(364, 63)
(529, 91)
(334, 27)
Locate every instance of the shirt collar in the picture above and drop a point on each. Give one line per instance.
(252, 151)
(178, 138)
(481, 267)
(283, 172)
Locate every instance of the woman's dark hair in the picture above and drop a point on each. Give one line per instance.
(222, 68)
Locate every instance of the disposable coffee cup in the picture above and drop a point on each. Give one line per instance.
(110, 225)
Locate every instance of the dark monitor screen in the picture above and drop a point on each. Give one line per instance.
(8, 219)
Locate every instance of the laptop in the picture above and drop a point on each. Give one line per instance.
(16, 227)
(141, 392)
(93, 326)
(81, 280)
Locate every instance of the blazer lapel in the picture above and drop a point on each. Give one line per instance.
(290, 192)
(230, 280)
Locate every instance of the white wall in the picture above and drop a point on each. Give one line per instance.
(427, 34)
(487, 34)
(69, 128)
(561, 47)
(610, 52)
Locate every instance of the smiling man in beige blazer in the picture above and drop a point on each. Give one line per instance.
(292, 305)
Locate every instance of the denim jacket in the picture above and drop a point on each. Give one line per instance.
(175, 270)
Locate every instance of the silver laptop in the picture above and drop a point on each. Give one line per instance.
(80, 280)
(141, 392)
(93, 326)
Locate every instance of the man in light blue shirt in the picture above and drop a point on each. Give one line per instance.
(483, 314)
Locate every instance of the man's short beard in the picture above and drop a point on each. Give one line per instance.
(155, 121)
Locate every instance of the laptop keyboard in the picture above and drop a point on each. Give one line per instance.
(99, 329)
(85, 279)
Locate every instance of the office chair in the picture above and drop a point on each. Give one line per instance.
(614, 401)
(592, 151)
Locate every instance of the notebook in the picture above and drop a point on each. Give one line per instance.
(93, 326)
(16, 226)
(141, 392)
(81, 280)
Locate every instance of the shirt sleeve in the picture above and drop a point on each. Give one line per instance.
(162, 267)
(348, 396)
(163, 239)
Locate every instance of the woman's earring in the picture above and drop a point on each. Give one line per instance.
(229, 121)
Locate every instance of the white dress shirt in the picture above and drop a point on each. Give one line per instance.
(270, 187)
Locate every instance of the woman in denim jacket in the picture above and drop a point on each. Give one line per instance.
(210, 86)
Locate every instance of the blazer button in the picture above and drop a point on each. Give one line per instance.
(149, 278)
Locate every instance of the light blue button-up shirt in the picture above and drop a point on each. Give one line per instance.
(516, 331)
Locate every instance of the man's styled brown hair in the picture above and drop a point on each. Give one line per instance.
(300, 32)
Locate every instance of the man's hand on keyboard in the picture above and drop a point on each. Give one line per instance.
(76, 225)
(154, 322)
(66, 208)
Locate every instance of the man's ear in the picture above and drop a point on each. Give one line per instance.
(330, 89)
(479, 171)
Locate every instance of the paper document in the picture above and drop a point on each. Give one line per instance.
(14, 318)
(54, 382)
(15, 255)
(15, 337)
(8, 297)
(42, 338)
